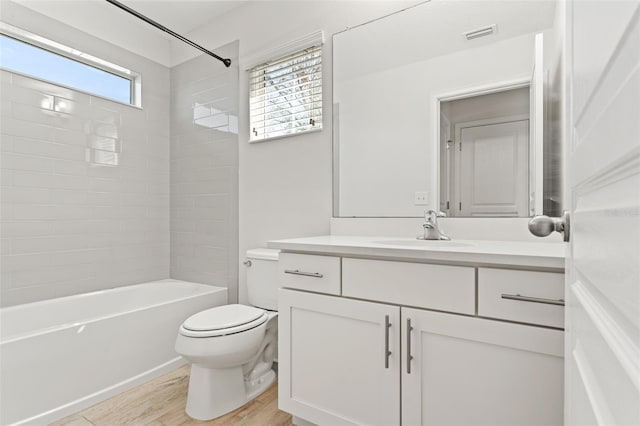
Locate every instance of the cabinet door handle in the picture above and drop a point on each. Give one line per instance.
(559, 302)
(409, 356)
(306, 274)
(387, 352)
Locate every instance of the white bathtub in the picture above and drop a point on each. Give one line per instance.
(62, 355)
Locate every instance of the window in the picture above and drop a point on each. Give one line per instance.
(44, 59)
(285, 95)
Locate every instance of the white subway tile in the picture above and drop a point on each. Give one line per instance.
(97, 184)
(20, 228)
(98, 226)
(69, 137)
(132, 186)
(5, 77)
(7, 212)
(13, 263)
(68, 182)
(39, 276)
(46, 117)
(74, 257)
(6, 108)
(41, 86)
(45, 148)
(69, 227)
(32, 179)
(32, 212)
(25, 195)
(55, 202)
(26, 96)
(68, 196)
(47, 244)
(67, 167)
(5, 246)
(6, 141)
(26, 162)
(71, 212)
(103, 198)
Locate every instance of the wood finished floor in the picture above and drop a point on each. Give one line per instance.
(161, 402)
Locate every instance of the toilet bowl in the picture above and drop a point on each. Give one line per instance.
(232, 348)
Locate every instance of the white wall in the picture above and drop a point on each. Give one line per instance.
(68, 226)
(285, 184)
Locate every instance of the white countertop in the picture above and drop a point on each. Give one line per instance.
(479, 252)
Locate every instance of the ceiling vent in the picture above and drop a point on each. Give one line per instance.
(480, 32)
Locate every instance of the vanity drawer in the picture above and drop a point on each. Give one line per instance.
(445, 288)
(523, 296)
(309, 272)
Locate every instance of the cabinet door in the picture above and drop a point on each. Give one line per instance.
(333, 366)
(473, 371)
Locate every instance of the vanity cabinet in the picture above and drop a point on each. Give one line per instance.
(411, 343)
(472, 371)
(334, 368)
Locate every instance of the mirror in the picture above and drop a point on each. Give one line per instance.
(442, 106)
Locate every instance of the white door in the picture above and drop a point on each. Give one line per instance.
(338, 369)
(494, 164)
(603, 271)
(474, 371)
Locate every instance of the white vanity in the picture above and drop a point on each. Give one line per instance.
(383, 331)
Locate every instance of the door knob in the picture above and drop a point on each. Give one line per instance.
(542, 225)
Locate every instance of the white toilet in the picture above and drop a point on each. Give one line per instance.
(231, 348)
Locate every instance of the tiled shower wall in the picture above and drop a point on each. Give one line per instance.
(85, 188)
(204, 170)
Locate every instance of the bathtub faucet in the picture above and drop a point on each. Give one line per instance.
(430, 226)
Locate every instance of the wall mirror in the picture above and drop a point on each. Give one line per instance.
(446, 105)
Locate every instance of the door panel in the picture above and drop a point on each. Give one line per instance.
(603, 270)
(494, 169)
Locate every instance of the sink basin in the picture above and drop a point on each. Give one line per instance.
(424, 243)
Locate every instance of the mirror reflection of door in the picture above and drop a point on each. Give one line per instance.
(485, 166)
(494, 169)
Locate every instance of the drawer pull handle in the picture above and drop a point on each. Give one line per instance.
(387, 352)
(559, 302)
(306, 274)
(409, 356)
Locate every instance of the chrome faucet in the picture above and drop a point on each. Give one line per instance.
(430, 225)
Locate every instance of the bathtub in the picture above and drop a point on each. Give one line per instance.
(62, 355)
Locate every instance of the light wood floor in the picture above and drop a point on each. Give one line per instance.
(162, 401)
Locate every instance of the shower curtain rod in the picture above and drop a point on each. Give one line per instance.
(148, 20)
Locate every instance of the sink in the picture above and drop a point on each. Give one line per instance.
(423, 243)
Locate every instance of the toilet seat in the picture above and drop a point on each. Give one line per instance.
(223, 320)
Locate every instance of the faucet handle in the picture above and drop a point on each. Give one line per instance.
(433, 215)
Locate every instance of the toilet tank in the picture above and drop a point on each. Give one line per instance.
(262, 278)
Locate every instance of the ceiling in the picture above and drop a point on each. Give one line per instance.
(182, 16)
(105, 21)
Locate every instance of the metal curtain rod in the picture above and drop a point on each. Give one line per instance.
(148, 20)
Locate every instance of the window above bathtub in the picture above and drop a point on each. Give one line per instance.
(285, 90)
(38, 57)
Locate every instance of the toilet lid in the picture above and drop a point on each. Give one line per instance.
(224, 317)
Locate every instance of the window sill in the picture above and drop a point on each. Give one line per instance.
(288, 135)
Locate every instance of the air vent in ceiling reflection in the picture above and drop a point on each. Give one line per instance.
(480, 32)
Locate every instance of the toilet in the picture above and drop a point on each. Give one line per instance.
(231, 348)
